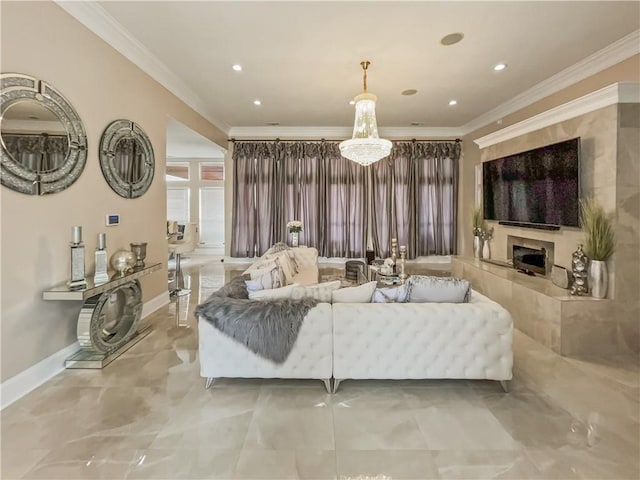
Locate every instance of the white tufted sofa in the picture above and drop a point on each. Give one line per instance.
(310, 357)
(422, 340)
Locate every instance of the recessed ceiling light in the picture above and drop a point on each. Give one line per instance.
(237, 68)
(500, 66)
(411, 91)
(352, 102)
(453, 102)
(452, 38)
(257, 102)
(33, 117)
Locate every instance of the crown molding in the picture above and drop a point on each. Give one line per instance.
(623, 92)
(340, 133)
(618, 51)
(100, 22)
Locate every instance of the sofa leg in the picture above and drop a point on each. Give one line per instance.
(336, 383)
(209, 382)
(505, 385)
(327, 384)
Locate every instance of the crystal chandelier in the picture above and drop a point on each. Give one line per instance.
(365, 147)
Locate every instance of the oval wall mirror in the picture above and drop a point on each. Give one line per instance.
(126, 158)
(42, 139)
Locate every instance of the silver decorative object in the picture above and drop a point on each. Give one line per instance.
(477, 246)
(579, 262)
(403, 256)
(126, 158)
(122, 260)
(486, 249)
(77, 280)
(40, 179)
(139, 249)
(100, 276)
(598, 278)
(394, 255)
(295, 239)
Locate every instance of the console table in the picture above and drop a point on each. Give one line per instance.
(108, 320)
(566, 324)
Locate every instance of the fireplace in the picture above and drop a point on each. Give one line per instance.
(530, 254)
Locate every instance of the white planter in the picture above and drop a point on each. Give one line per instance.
(486, 250)
(477, 246)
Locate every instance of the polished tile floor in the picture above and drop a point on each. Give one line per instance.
(147, 415)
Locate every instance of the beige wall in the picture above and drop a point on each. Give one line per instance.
(40, 39)
(628, 70)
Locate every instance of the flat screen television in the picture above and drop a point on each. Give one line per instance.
(535, 188)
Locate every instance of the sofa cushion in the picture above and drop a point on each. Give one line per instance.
(423, 288)
(268, 277)
(360, 294)
(273, 293)
(321, 291)
(397, 294)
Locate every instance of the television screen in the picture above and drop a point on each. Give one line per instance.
(540, 186)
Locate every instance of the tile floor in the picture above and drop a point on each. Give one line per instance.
(147, 415)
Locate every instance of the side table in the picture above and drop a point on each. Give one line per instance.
(108, 320)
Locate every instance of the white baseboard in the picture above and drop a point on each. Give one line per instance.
(24, 382)
(155, 303)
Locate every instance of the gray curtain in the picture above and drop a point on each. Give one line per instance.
(414, 198)
(38, 153)
(275, 182)
(255, 174)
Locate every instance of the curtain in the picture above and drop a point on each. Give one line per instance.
(414, 198)
(255, 224)
(38, 153)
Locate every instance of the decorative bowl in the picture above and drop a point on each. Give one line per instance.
(122, 260)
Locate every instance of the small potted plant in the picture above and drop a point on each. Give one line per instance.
(597, 226)
(478, 223)
(294, 227)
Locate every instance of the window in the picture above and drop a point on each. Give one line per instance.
(178, 204)
(212, 171)
(212, 216)
(177, 172)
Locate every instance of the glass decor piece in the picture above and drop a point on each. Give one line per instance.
(579, 263)
(77, 280)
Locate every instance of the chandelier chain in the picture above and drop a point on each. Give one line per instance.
(365, 64)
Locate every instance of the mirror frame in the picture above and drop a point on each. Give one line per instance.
(15, 88)
(116, 131)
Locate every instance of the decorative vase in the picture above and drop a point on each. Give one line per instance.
(477, 246)
(579, 262)
(486, 249)
(139, 249)
(598, 278)
(294, 238)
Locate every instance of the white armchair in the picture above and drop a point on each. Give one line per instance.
(177, 247)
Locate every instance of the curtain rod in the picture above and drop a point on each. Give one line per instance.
(322, 140)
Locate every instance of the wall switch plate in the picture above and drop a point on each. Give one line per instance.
(112, 219)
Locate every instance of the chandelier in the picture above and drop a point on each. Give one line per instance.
(365, 147)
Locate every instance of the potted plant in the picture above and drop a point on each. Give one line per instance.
(597, 226)
(478, 223)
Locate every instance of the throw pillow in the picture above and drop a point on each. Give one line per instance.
(360, 294)
(273, 293)
(268, 277)
(391, 294)
(321, 291)
(424, 289)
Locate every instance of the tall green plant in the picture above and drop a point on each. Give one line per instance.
(478, 221)
(597, 226)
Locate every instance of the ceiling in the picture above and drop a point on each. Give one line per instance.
(301, 59)
(182, 142)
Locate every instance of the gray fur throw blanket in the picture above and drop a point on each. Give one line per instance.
(268, 328)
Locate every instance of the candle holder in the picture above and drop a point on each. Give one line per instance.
(403, 256)
(139, 249)
(77, 281)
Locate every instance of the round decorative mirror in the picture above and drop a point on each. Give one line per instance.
(126, 158)
(43, 142)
